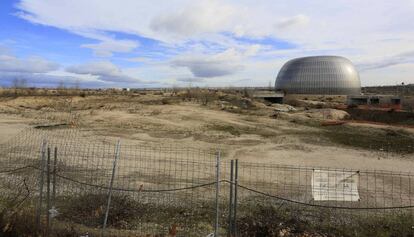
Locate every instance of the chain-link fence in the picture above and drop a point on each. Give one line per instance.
(59, 182)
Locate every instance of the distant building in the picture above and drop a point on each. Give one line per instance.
(271, 96)
(376, 101)
(323, 75)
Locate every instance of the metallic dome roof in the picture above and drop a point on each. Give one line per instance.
(331, 75)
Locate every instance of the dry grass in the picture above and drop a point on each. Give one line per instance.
(202, 118)
(397, 141)
(281, 220)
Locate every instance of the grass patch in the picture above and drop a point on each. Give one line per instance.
(129, 214)
(375, 139)
(387, 140)
(237, 131)
(258, 219)
(89, 210)
(226, 128)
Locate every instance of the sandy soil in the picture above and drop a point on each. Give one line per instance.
(250, 137)
(11, 125)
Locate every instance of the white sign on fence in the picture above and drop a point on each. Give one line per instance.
(328, 185)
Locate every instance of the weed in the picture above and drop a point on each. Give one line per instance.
(226, 128)
(263, 219)
(387, 140)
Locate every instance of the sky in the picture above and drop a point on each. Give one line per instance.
(216, 43)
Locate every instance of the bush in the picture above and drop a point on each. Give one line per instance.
(202, 96)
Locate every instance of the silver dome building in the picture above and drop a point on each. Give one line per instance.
(324, 75)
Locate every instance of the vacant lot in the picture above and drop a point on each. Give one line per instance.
(232, 122)
(272, 142)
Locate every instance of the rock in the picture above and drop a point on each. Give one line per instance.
(333, 114)
(283, 108)
(224, 104)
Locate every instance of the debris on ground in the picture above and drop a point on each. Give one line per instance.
(283, 108)
(331, 114)
(333, 122)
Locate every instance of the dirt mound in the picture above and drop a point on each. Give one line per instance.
(332, 114)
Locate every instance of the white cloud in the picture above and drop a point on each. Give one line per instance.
(96, 68)
(107, 47)
(295, 21)
(10, 63)
(252, 50)
(221, 64)
(387, 61)
(105, 71)
(341, 21)
(208, 67)
(200, 30)
(191, 80)
(4, 50)
(388, 75)
(139, 59)
(36, 71)
(168, 21)
(194, 19)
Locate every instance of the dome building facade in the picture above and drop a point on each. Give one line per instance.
(322, 75)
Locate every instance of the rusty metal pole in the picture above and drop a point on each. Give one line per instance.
(216, 227)
(54, 176)
(41, 177)
(236, 176)
(230, 228)
(108, 205)
(48, 192)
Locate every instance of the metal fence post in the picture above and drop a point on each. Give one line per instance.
(48, 192)
(216, 227)
(236, 176)
(230, 221)
(54, 176)
(42, 168)
(108, 205)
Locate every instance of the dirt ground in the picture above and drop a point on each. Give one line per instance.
(249, 131)
(10, 126)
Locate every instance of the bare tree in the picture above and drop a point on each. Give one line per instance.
(19, 83)
(76, 86)
(61, 85)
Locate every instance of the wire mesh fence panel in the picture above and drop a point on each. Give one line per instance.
(64, 179)
(156, 189)
(171, 190)
(82, 174)
(19, 180)
(274, 199)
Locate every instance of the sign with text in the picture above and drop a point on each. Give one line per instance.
(329, 185)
